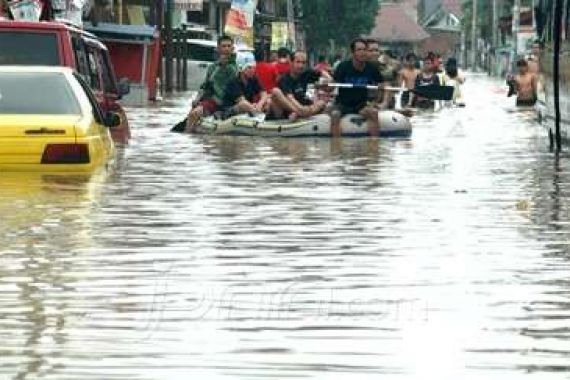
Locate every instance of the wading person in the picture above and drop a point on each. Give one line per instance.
(454, 77)
(212, 92)
(427, 77)
(525, 84)
(407, 77)
(359, 72)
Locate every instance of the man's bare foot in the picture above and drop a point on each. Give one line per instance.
(192, 122)
(293, 116)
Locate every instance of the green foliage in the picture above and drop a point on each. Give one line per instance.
(337, 20)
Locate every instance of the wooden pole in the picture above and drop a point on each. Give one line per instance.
(168, 45)
(557, 39)
(184, 51)
(495, 24)
(177, 40)
(516, 29)
(120, 11)
(159, 21)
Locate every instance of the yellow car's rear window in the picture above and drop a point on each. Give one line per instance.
(37, 94)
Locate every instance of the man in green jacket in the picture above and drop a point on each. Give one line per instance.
(212, 92)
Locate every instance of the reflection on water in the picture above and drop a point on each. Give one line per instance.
(444, 256)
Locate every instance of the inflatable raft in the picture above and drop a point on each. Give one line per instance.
(392, 124)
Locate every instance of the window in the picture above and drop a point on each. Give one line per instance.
(203, 53)
(94, 79)
(80, 55)
(107, 73)
(19, 94)
(26, 48)
(97, 112)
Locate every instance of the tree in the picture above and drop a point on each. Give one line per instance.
(337, 20)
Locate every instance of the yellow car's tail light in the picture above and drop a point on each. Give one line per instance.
(66, 154)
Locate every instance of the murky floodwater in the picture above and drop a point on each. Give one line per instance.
(444, 257)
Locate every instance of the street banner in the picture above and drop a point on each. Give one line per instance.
(282, 35)
(25, 10)
(279, 35)
(239, 21)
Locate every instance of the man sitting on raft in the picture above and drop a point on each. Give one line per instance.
(289, 98)
(360, 73)
(212, 92)
(245, 93)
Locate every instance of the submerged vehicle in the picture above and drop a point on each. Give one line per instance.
(28, 43)
(65, 131)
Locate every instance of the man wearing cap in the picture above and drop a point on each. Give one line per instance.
(212, 92)
(245, 93)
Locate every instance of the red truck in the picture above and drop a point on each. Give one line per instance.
(58, 44)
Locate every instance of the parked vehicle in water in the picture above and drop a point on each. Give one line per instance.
(545, 31)
(58, 44)
(50, 121)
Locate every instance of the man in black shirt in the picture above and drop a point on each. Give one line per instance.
(289, 98)
(245, 94)
(356, 71)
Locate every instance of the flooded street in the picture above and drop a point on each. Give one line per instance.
(440, 257)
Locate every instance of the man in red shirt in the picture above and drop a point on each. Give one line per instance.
(266, 72)
(283, 64)
(323, 65)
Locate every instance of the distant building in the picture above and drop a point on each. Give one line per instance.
(442, 20)
(270, 11)
(207, 14)
(397, 29)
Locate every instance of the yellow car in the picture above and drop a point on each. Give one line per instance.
(50, 122)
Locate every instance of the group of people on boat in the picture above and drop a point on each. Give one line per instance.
(278, 90)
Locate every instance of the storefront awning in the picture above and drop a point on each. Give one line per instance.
(141, 34)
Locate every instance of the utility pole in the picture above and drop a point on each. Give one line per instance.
(291, 24)
(168, 54)
(516, 28)
(533, 16)
(474, 37)
(495, 24)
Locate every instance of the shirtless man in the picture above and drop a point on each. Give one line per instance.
(525, 85)
(408, 76)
